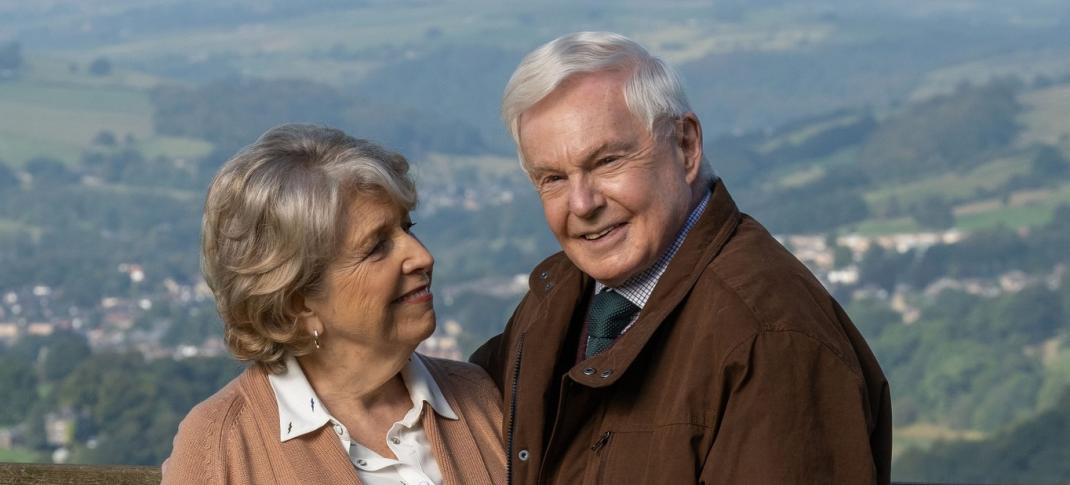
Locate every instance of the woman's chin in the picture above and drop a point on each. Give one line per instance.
(423, 329)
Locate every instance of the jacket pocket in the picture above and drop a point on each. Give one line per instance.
(619, 457)
(666, 454)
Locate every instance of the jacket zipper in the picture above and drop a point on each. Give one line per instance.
(512, 411)
(601, 441)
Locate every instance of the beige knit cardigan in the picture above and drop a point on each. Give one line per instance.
(233, 436)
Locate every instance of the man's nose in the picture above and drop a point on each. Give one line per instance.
(584, 198)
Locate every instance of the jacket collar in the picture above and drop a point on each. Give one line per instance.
(558, 285)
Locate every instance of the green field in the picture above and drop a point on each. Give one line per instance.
(19, 455)
(9, 227)
(924, 435)
(60, 120)
(949, 185)
(1015, 215)
(1045, 119)
(173, 146)
(878, 227)
(54, 112)
(1031, 212)
(1056, 358)
(1052, 63)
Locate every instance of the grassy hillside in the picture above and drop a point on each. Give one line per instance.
(58, 114)
(1045, 119)
(825, 116)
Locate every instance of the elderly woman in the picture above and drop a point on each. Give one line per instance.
(320, 282)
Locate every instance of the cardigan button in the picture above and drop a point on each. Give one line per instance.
(523, 455)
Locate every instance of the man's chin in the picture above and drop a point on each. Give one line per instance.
(609, 273)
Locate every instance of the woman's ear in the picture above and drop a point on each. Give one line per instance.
(306, 319)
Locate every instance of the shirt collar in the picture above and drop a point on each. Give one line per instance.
(423, 388)
(638, 288)
(301, 412)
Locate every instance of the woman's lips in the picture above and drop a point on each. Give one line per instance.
(419, 295)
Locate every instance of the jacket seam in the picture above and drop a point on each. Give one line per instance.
(762, 330)
(226, 430)
(657, 427)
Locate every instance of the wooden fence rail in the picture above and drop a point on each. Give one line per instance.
(39, 474)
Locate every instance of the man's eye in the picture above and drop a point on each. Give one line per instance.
(549, 179)
(407, 226)
(608, 160)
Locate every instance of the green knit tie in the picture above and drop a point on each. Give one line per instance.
(610, 313)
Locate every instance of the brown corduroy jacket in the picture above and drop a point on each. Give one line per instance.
(233, 436)
(741, 369)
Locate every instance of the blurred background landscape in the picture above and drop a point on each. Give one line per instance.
(914, 153)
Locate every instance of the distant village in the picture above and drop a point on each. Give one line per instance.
(112, 325)
(119, 323)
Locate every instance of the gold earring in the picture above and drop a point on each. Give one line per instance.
(316, 338)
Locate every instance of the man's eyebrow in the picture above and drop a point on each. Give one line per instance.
(593, 154)
(607, 147)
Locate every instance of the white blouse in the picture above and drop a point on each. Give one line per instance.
(301, 412)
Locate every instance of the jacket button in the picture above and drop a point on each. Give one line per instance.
(523, 455)
(589, 371)
(548, 286)
(606, 373)
(544, 274)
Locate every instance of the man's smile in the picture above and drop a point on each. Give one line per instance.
(600, 233)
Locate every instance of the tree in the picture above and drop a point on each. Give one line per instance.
(8, 178)
(1033, 452)
(954, 132)
(1048, 163)
(66, 351)
(49, 171)
(933, 213)
(104, 138)
(10, 58)
(133, 406)
(100, 67)
(18, 389)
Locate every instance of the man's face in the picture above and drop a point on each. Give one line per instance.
(613, 194)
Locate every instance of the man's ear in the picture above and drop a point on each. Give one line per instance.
(689, 142)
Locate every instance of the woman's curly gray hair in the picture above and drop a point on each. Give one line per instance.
(273, 219)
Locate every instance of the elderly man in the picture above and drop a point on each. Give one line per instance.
(673, 340)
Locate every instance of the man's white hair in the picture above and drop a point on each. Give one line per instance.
(653, 93)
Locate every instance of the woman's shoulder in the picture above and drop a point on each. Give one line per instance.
(198, 448)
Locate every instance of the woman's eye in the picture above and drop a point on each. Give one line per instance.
(379, 247)
(407, 226)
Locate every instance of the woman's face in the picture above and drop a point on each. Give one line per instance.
(378, 288)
